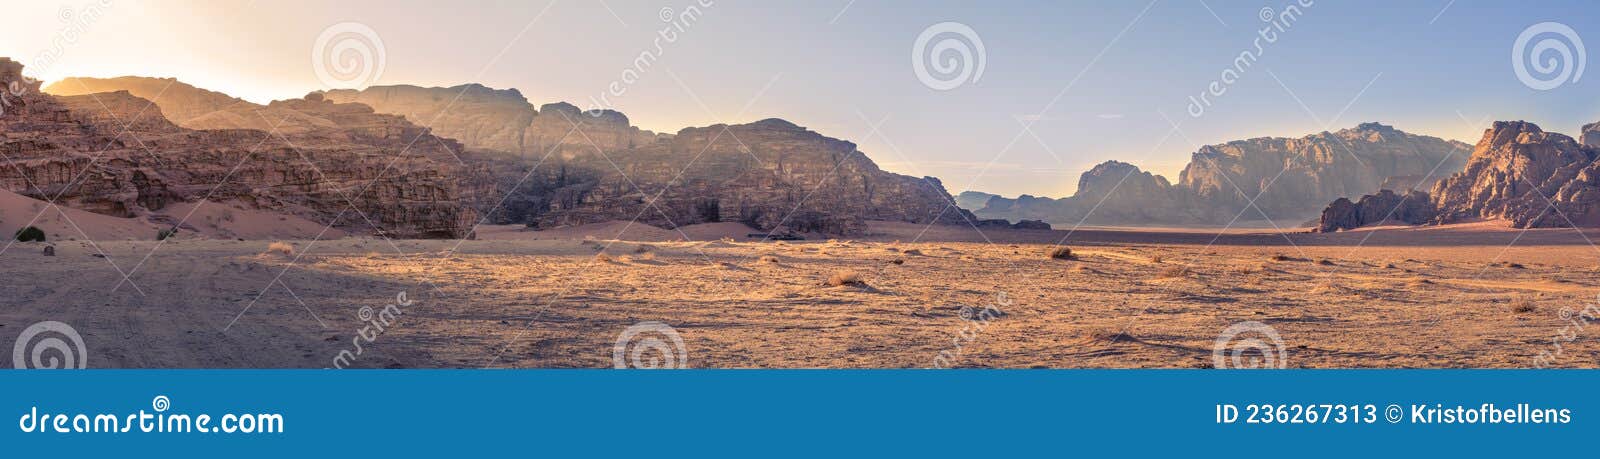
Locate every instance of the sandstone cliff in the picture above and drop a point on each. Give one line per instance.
(1591, 134)
(1111, 193)
(1517, 173)
(78, 149)
(478, 116)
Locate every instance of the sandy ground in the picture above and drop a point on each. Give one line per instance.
(1457, 296)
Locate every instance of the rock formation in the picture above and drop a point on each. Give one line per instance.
(1299, 175)
(1517, 173)
(1413, 208)
(1591, 134)
(771, 175)
(99, 153)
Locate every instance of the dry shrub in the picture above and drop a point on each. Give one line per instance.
(898, 261)
(642, 248)
(842, 278)
(1325, 262)
(1523, 306)
(646, 256)
(768, 259)
(279, 248)
(602, 257)
(1280, 257)
(912, 252)
(1060, 253)
(1174, 271)
(1156, 259)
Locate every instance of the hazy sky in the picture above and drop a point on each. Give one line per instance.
(1121, 69)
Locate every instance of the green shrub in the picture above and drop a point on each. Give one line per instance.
(30, 234)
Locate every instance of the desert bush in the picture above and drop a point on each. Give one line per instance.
(280, 248)
(912, 252)
(30, 234)
(898, 261)
(602, 257)
(1174, 271)
(1156, 259)
(166, 233)
(1325, 262)
(841, 278)
(768, 259)
(1060, 253)
(1522, 306)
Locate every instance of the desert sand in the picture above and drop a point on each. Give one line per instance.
(1470, 295)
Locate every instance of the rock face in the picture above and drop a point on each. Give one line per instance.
(1517, 173)
(1414, 208)
(1316, 168)
(771, 175)
(1591, 134)
(478, 116)
(354, 177)
(1527, 176)
(572, 166)
(1298, 175)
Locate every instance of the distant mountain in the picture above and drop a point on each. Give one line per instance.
(1591, 134)
(973, 200)
(478, 116)
(1299, 176)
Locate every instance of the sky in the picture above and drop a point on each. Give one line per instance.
(1063, 85)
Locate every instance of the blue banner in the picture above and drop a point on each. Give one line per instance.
(899, 413)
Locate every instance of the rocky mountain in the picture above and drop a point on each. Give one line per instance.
(96, 152)
(1415, 208)
(770, 175)
(1517, 172)
(559, 165)
(1591, 134)
(1299, 175)
(177, 101)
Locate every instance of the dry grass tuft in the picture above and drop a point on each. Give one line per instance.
(1060, 253)
(603, 257)
(1156, 259)
(912, 252)
(642, 248)
(1174, 271)
(898, 261)
(842, 278)
(1523, 306)
(768, 259)
(279, 248)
